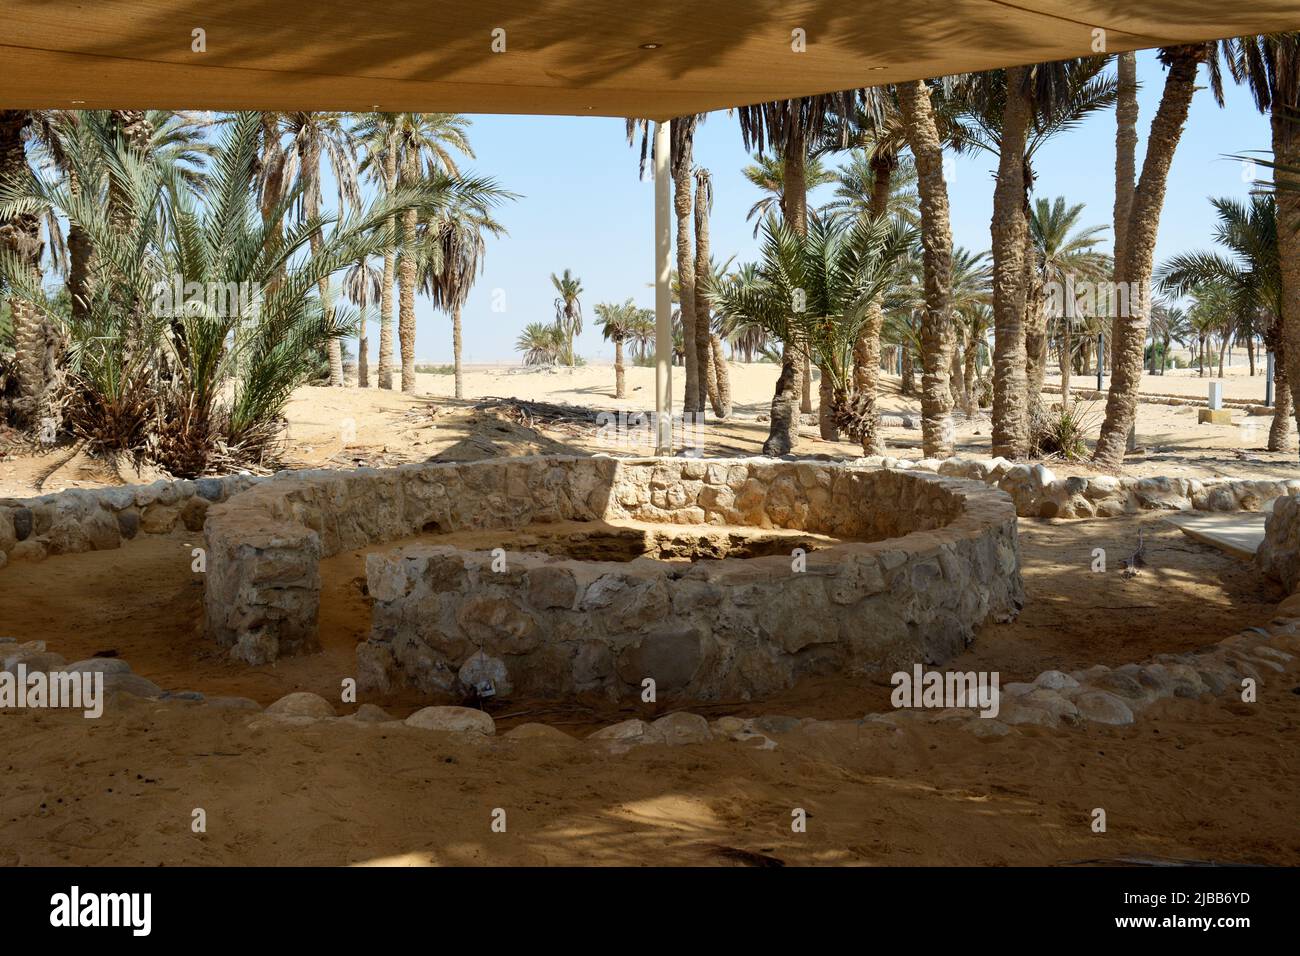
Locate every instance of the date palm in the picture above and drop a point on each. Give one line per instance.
(1011, 114)
(618, 323)
(1137, 264)
(1269, 66)
(424, 146)
(362, 284)
(201, 382)
(1252, 270)
(1064, 255)
(568, 312)
(316, 138)
(813, 292)
(458, 246)
(541, 343)
(791, 128)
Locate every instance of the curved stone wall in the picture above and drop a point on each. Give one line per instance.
(930, 559)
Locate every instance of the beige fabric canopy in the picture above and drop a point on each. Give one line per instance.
(579, 57)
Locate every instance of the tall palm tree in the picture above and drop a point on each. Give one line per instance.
(1139, 245)
(458, 250)
(711, 362)
(362, 284)
(791, 127)
(378, 136)
(618, 323)
(1065, 255)
(921, 129)
(1011, 114)
(1270, 68)
(424, 147)
(568, 311)
(316, 138)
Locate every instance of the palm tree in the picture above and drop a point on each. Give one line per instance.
(1011, 114)
(317, 137)
(618, 324)
(968, 305)
(711, 363)
(791, 126)
(568, 311)
(1253, 272)
(458, 247)
(1064, 255)
(1139, 246)
(921, 129)
(856, 186)
(188, 384)
(423, 147)
(362, 284)
(1169, 324)
(378, 135)
(767, 173)
(813, 291)
(541, 343)
(1270, 68)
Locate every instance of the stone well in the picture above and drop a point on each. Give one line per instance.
(900, 567)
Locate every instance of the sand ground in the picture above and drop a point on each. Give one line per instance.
(1205, 780)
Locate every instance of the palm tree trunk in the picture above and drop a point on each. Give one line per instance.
(1286, 153)
(704, 337)
(1067, 360)
(21, 237)
(1035, 331)
(682, 136)
(79, 253)
(1126, 137)
(1008, 230)
(406, 295)
(721, 378)
(1279, 432)
(936, 240)
(620, 383)
(455, 351)
(866, 351)
(1144, 222)
(390, 270)
(783, 430)
(363, 353)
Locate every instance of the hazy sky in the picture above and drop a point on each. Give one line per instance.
(583, 207)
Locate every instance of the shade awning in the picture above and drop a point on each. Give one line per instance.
(576, 57)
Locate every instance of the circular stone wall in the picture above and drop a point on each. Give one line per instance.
(915, 564)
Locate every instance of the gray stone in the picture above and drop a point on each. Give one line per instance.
(1055, 680)
(454, 720)
(233, 703)
(132, 684)
(1103, 708)
(683, 728)
(301, 704)
(481, 669)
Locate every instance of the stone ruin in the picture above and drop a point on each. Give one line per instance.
(687, 572)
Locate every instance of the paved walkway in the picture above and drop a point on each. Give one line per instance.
(1239, 533)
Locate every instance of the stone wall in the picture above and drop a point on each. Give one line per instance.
(1279, 554)
(100, 519)
(941, 558)
(264, 547)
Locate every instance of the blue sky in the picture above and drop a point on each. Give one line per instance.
(583, 207)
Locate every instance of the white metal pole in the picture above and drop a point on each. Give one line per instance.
(663, 296)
